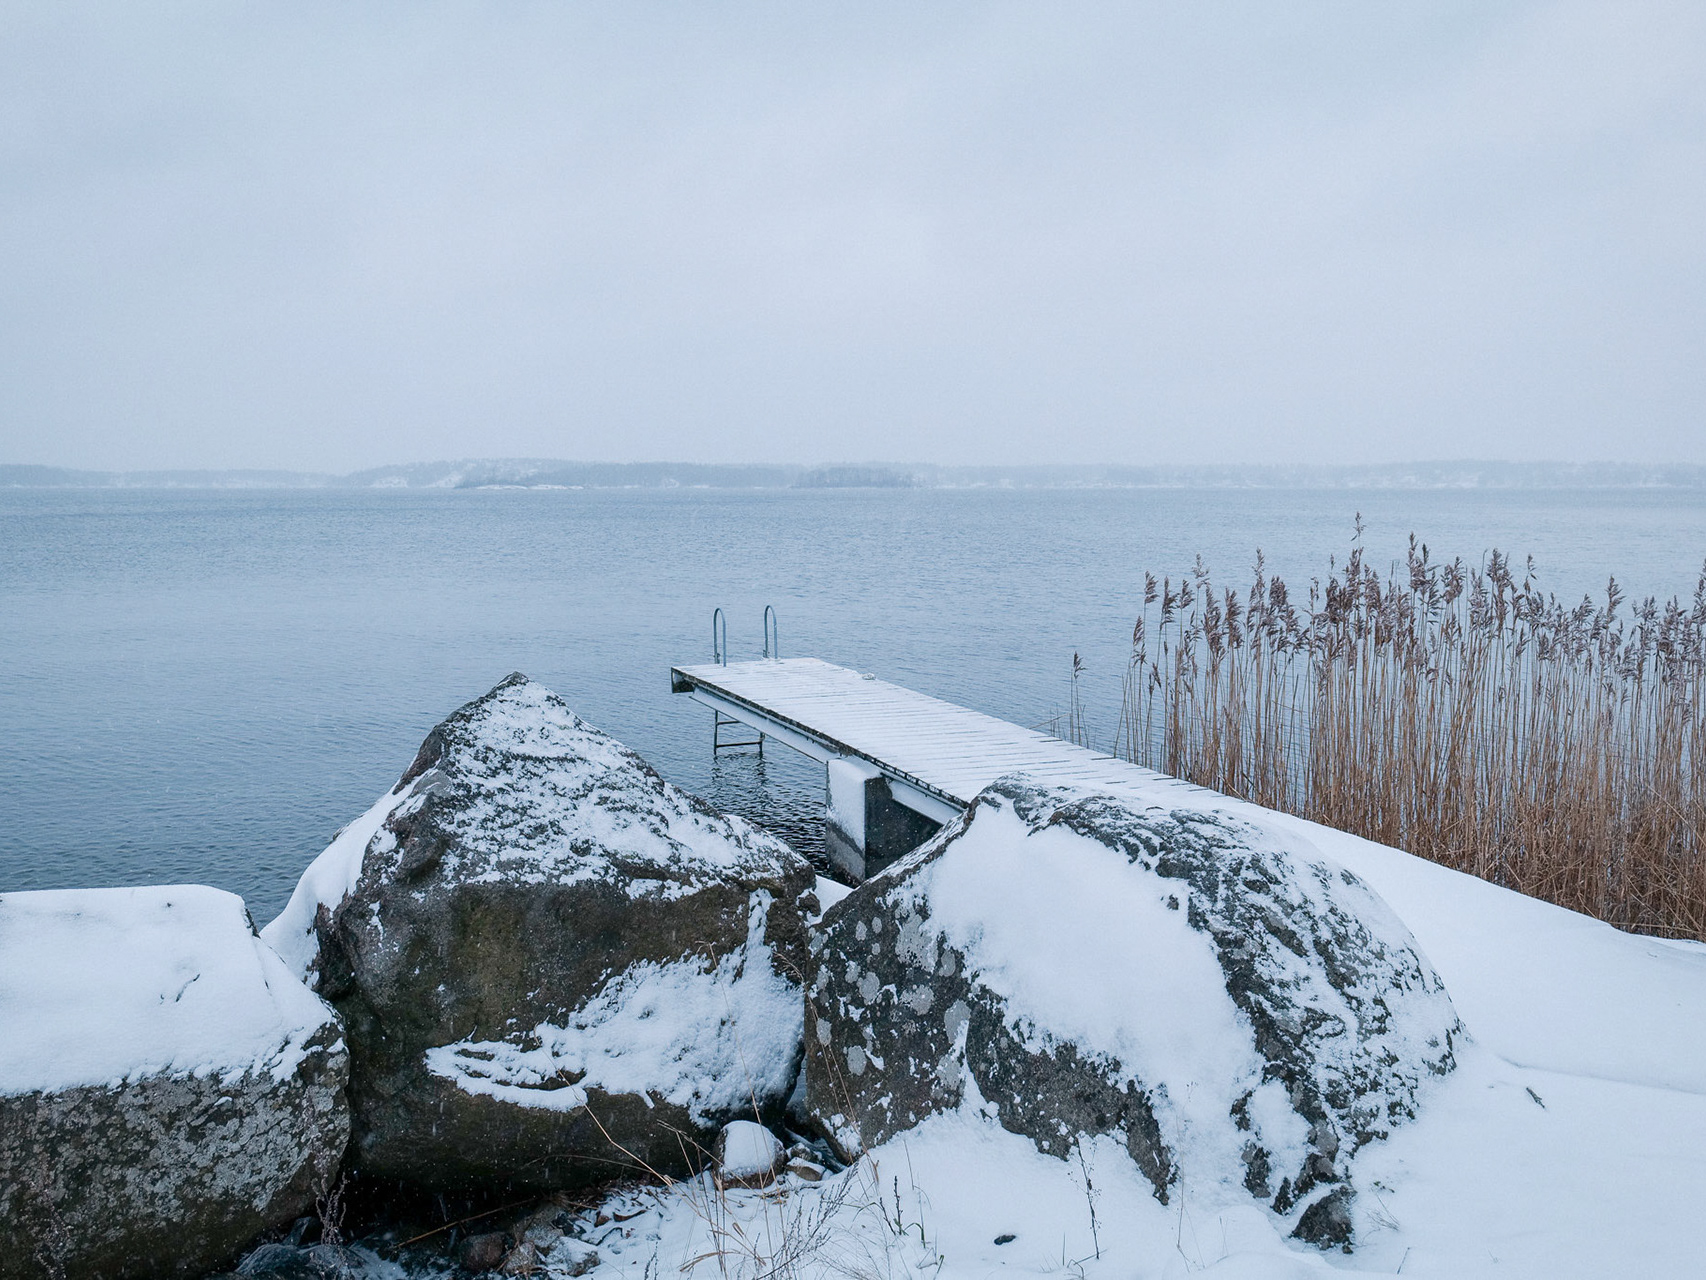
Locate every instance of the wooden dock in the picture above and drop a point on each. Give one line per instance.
(933, 756)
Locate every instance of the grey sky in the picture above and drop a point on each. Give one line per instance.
(325, 235)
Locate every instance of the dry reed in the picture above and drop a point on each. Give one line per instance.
(1455, 712)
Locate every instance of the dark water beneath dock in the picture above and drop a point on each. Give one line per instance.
(203, 686)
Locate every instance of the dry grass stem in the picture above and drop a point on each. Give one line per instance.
(1458, 713)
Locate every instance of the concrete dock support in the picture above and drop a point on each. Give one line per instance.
(865, 827)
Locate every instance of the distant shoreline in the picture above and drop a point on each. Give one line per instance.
(531, 473)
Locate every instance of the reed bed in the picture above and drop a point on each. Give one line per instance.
(1454, 711)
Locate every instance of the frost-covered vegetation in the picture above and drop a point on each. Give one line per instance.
(1454, 711)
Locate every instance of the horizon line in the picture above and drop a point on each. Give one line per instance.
(562, 473)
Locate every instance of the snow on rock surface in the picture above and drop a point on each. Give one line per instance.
(1236, 1012)
(331, 878)
(168, 1088)
(664, 1030)
(540, 947)
(1540, 985)
(746, 1154)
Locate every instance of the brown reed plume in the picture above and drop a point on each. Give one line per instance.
(1455, 712)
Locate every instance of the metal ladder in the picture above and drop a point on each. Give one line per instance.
(720, 655)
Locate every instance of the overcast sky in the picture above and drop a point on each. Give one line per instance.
(330, 235)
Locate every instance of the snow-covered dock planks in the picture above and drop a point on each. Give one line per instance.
(936, 755)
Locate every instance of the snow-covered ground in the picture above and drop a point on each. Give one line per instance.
(1568, 1143)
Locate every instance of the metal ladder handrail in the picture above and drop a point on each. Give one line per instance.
(772, 633)
(720, 655)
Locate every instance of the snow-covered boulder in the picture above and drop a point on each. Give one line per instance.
(1236, 1012)
(541, 949)
(168, 1088)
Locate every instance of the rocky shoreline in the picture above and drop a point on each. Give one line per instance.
(536, 990)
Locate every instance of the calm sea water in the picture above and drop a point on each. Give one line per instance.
(204, 686)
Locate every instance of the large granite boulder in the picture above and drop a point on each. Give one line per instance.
(168, 1088)
(551, 963)
(1241, 1016)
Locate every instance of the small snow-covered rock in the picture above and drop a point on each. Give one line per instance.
(1236, 1011)
(168, 1088)
(543, 1251)
(279, 1260)
(569, 1257)
(547, 957)
(317, 1262)
(485, 1252)
(746, 1154)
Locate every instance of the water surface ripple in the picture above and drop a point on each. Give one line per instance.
(205, 685)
